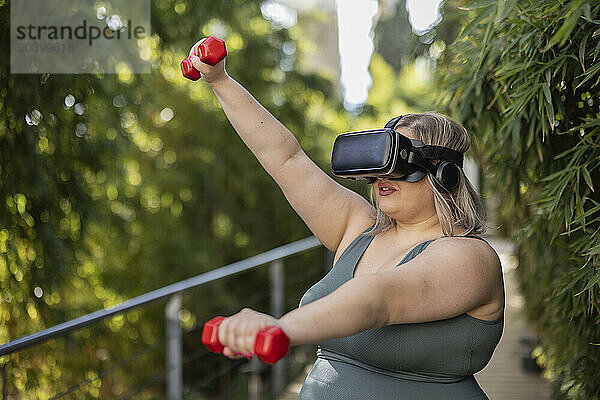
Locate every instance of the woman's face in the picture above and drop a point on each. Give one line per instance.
(406, 202)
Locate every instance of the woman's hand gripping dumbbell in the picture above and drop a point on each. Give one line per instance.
(211, 51)
(244, 334)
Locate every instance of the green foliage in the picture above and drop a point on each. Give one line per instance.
(396, 42)
(404, 65)
(115, 185)
(523, 76)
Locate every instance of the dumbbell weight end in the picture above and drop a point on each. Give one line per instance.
(211, 51)
(271, 344)
(210, 335)
(188, 70)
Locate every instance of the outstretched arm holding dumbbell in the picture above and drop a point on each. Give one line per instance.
(352, 308)
(270, 141)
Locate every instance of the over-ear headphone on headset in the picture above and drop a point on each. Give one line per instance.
(447, 175)
(386, 153)
(447, 170)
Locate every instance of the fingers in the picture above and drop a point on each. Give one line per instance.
(194, 49)
(238, 333)
(227, 334)
(199, 65)
(248, 336)
(234, 336)
(227, 352)
(207, 68)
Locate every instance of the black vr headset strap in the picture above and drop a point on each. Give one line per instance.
(416, 158)
(432, 152)
(393, 122)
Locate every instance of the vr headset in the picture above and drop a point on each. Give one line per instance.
(385, 153)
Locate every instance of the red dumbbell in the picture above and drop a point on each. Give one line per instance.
(271, 343)
(211, 51)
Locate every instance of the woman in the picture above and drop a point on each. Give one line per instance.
(415, 332)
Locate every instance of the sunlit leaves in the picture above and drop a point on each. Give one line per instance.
(526, 84)
(115, 185)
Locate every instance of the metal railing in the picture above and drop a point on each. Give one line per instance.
(173, 343)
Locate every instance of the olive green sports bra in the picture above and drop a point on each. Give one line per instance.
(420, 361)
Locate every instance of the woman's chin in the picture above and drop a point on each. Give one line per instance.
(390, 209)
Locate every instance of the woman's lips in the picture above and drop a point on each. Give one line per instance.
(385, 190)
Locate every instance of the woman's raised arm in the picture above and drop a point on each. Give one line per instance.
(327, 207)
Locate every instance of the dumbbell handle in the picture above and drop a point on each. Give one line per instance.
(211, 51)
(270, 345)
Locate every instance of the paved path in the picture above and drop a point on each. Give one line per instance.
(503, 378)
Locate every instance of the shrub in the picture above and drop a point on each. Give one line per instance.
(523, 76)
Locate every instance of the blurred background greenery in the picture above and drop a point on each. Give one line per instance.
(115, 185)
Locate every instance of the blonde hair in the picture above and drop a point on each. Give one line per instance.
(461, 212)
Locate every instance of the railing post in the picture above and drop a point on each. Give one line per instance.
(276, 281)
(173, 348)
(254, 382)
(4, 383)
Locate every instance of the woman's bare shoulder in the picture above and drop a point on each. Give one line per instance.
(465, 249)
(472, 242)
